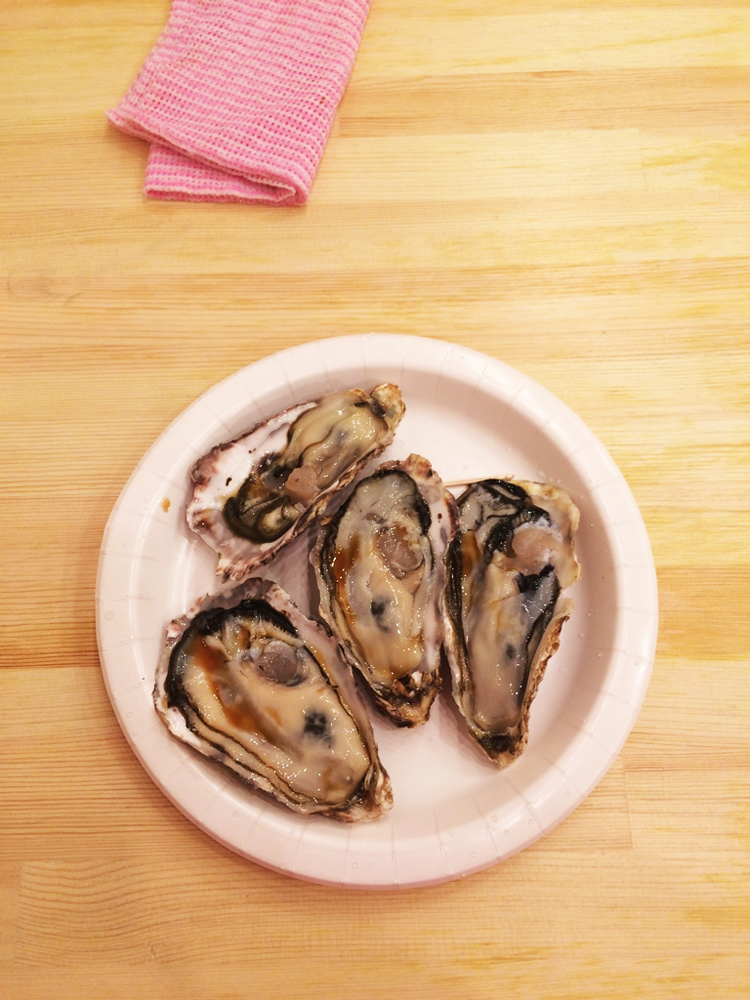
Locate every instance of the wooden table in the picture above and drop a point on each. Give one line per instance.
(562, 186)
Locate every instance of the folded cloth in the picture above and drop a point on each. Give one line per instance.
(238, 97)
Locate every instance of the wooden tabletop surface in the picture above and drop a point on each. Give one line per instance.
(564, 187)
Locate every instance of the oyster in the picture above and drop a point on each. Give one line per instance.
(508, 565)
(380, 572)
(250, 682)
(253, 495)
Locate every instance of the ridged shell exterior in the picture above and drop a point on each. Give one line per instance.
(219, 473)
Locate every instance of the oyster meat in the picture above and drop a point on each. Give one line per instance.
(380, 570)
(508, 565)
(249, 682)
(253, 495)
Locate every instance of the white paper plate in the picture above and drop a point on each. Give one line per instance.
(454, 813)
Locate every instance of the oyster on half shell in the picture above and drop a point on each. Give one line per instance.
(249, 682)
(508, 565)
(255, 494)
(380, 573)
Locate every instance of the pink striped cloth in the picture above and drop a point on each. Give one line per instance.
(237, 97)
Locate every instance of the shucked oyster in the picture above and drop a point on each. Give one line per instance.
(380, 572)
(253, 495)
(507, 567)
(250, 682)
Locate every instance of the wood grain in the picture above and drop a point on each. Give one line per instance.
(563, 186)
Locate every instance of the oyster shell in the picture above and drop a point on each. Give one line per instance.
(380, 573)
(508, 565)
(249, 682)
(255, 494)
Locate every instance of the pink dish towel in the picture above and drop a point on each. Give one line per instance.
(237, 97)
